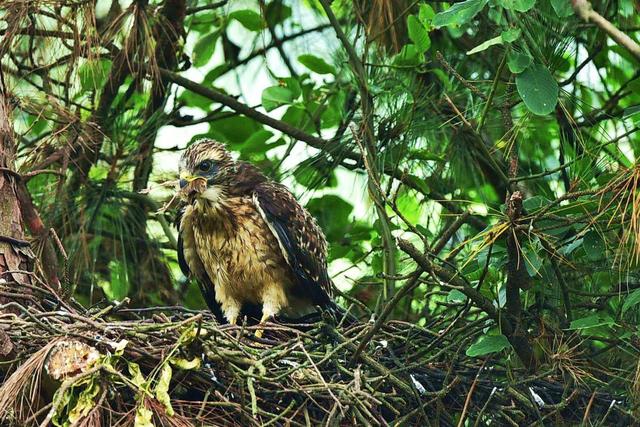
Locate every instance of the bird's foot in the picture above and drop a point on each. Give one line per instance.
(260, 330)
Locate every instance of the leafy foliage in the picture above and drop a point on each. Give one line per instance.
(476, 160)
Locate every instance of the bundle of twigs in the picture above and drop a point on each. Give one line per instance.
(113, 365)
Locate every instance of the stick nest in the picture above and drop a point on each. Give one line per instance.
(65, 365)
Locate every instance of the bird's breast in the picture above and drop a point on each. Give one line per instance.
(239, 251)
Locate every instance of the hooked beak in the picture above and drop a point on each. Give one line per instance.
(191, 187)
(187, 179)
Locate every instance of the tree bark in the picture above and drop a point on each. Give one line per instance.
(15, 252)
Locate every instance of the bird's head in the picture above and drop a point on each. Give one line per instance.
(206, 168)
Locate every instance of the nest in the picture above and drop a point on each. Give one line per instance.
(169, 366)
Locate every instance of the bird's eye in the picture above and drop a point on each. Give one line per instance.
(204, 166)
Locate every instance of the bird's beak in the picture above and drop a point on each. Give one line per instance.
(187, 179)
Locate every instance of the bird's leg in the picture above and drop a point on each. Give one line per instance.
(231, 312)
(268, 313)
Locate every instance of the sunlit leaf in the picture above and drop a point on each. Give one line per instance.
(204, 47)
(418, 34)
(459, 13)
(249, 19)
(486, 45)
(276, 96)
(162, 389)
(315, 64)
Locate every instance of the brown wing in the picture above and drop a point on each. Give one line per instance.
(300, 239)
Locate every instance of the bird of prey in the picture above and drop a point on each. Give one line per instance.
(254, 250)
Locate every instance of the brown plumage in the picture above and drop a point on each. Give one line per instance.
(253, 249)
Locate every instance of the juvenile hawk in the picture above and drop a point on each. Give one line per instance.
(250, 245)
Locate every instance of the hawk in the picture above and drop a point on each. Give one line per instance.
(253, 249)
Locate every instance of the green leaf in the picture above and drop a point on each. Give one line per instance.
(93, 74)
(562, 8)
(592, 321)
(118, 285)
(426, 15)
(85, 403)
(488, 344)
(187, 365)
(517, 62)
(486, 45)
(538, 89)
(630, 111)
(509, 36)
(455, 295)
(315, 64)
(234, 130)
(593, 246)
(532, 259)
(136, 375)
(459, 13)
(631, 300)
(418, 34)
(408, 56)
(204, 48)
(276, 96)
(249, 19)
(277, 12)
(517, 5)
(534, 203)
(162, 388)
(144, 416)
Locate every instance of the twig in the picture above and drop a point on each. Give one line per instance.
(584, 10)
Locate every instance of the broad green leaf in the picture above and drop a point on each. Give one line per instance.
(276, 96)
(592, 321)
(235, 130)
(562, 8)
(256, 142)
(277, 12)
(517, 5)
(249, 19)
(517, 62)
(631, 300)
(486, 45)
(315, 64)
(511, 35)
(418, 34)
(488, 344)
(408, 56)
(456, 295)
(459, 13)
(204, 48)
(594, 246)
(162, 388)
(426, 14)
(538, 89)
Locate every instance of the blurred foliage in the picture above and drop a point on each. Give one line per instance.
(465, 91)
